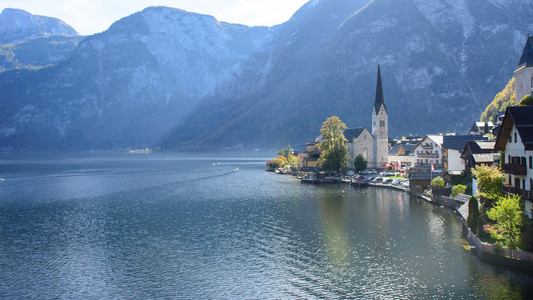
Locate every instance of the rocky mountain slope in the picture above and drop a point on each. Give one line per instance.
(17, 25)
(29, 41)
(182, 80)
(128, 85)
(442, 62)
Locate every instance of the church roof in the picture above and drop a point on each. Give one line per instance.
(353, 133)
(527, 55)
(380, 100)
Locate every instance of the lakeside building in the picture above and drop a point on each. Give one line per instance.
(404, 154)
(479, 153)
(373, 146)
(429, 151)
(311, 155)
(524, 72)
(453, 146)
(516, 140)
(481, 128)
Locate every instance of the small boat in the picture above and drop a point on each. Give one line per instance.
(2, 179)
(236, 169)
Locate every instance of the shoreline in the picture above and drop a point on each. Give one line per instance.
(516, 259)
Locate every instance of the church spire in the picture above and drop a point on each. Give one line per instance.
(379, 93)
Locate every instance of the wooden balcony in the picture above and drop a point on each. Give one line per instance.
(525, 194)
(514, 169)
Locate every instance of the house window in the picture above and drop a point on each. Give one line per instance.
(531, 184)
(515, 139)
(382, 123)
(510, 139)
(531, 162)
(509, 159)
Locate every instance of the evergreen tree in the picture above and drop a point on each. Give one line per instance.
(360, 164)
(473, 214)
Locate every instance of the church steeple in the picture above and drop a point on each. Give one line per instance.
(379, 93)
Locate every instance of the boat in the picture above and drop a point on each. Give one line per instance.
(2, 179)
(236, 169)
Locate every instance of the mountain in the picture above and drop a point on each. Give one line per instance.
(442, 62)
(29, 41)
(128, 85)
(182, 80)
(37, 52)
(18, 25)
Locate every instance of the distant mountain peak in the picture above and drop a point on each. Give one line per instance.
(18, 25)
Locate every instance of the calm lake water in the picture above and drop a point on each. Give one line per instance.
(185, 226)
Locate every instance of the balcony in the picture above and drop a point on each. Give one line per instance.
(526, 195)
(427, 146)
(514, 169)
(427, 154)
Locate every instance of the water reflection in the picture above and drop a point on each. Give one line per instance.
(191, 230)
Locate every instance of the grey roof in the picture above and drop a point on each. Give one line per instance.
(458, 142)
(521, 117)
(486, 145)
(527, 54)
(380, 100)
(484, 157)
(352, 133)
(407, 147)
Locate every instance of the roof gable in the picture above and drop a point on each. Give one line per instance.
(354, 133)
(522, 118)
(437, 139)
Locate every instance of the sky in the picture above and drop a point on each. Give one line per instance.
(93, 16)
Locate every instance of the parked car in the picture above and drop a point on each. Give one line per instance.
(377, 179)
(405, 183)
(387, 180)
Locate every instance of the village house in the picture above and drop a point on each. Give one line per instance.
(402, 154)
(481, 128)
(311, 155)
(516, 142)
(453, 146)
(477, 153)
(429, 151)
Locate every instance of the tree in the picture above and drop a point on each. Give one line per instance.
(360, 164)
(527, 100)
(458, 189)
(293, 160)
(438, 182)
(473, 214)
(489, 181)
(501, 101)
(333, 145)
(509, 219)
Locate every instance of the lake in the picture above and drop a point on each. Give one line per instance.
(108, 225)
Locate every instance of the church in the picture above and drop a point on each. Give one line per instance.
(373, 146)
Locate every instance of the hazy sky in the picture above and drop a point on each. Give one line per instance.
(92, 16)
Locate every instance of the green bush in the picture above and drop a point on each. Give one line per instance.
(438, 182)
(458, 189)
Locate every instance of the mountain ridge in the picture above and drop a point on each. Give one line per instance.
(167, 77)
